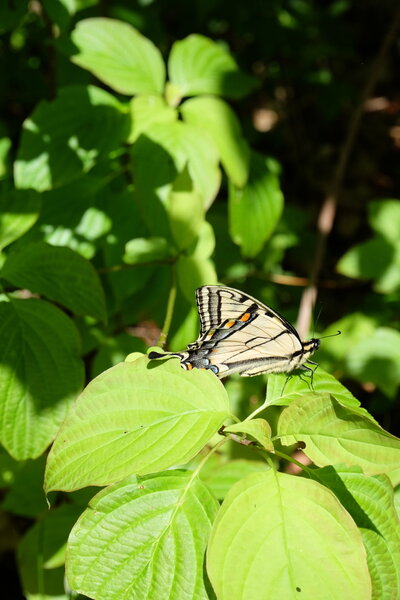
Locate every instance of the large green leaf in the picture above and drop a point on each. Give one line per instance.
(60, 142)
(377, 359)
(369, 500)
(255, 209)
(197, 65)
(284, 537)
(335, 434)
(41, 554)
(119, 56)
(40, 374)
(215, 117)
(144, 538)
(59, 274)
(137, 417)
(19, 210)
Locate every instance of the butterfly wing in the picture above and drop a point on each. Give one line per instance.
(240, 334)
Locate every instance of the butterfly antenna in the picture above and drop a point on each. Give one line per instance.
(317, 318)
(331, 335)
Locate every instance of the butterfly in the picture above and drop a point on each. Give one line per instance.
(239, 334)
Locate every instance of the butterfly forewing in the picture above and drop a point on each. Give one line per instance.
(239, 334)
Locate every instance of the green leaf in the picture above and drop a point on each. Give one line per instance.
(137, 417)
(170, 149)
(220, 477)
(264, 540)
(215, 117)
(28, 483)
(336, 434)
(59, 143)
(255, 209)
(119, 56)
(5, 147)
(384, 217)
(147, 111)
(197, 65)
(366, 260)
(282, 388)
(146, 250)
(369, 500)
(40, 374)
(186, 215)
(19, 210)
(59, 274)
(376, 359)
(354, 328)
(41, 554)
(258, 429)
(194, 272)
(118, 548)
(72, 216)
(115, 350)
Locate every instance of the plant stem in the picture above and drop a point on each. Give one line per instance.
(170, 311)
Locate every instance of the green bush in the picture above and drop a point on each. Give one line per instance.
(135, 166)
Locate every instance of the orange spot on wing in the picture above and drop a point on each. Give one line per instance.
(245, 317)
(230, 324)
(189, 366)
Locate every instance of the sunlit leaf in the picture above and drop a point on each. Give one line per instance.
(137, 417)
(264, 539)
(198, 65)
(334, 433)
(217, 118)
(119, 56)
(119, 546)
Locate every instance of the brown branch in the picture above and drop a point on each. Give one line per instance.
(328, 210)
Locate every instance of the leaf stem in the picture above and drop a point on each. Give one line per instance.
(170, 311)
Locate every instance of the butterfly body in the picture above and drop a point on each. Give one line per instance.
(241, 335)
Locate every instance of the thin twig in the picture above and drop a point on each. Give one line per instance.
(328, 210)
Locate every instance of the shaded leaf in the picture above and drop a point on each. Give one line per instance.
(59, 142)
(255, 209)
(19, 210)
(41, 554)
(40, 374)
(377, 359)
(59, 274)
